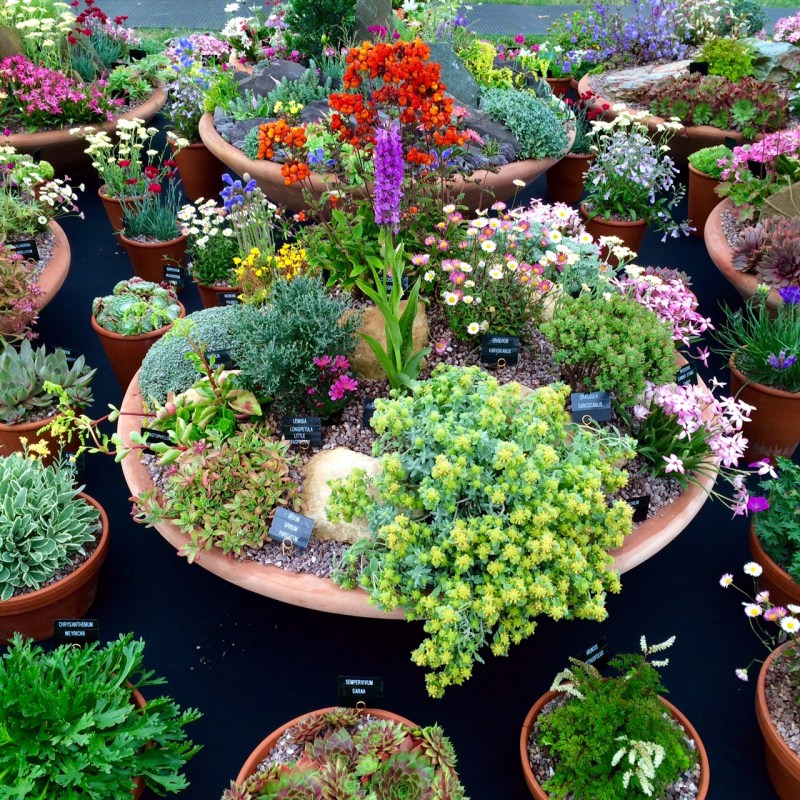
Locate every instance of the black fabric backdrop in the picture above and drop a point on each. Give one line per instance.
(250, 663)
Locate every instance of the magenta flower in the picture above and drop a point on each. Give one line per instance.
(756, 504)
(342, 385)
(323, 361)
(341, 363)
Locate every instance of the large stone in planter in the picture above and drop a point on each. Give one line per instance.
(620, 83)
(326, 466)
(487, 128)
(10, 42)
(456, 77)
(314, 111)
(363, 360)
(267, 75)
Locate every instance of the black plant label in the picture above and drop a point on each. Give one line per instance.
(354, 688)
(596, 654)
(500, 351)
(640, 506)
(155, 437)
(369, 410)
(698, 68)
(591, 405)
(26, 248)
(287, 526)
(70, 353)
(302, 431)
(76, 631)
(227, 298)
(686, 374)
(175, 275)
(222, 357)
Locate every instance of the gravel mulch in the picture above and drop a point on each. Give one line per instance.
(733, 227)
(783, 696)
(45, 244)
(543, 766)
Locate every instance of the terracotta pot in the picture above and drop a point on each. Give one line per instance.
(574, 83)
(783, 764)
(126, 353)
(64, 151)
(209, 295)
(480, 190)
(721, 254)
(566, 178)
(688, 141)
(10, 436)
(559, 86)
(200, 171)
(149, 258)
(774, 429)
(630, 231)
(702, 199)
(52, 277)
(114, 210)
(322, 594)
(263, 749)
(777, 581)
(69, 598)
(536, 788)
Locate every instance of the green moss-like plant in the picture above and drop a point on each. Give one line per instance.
(610, 343)
(70, 729)
(531, 119)
(275, 345)
(730, 58)
(43, 524)
(613, 739)
(166, 366)
(489, 511)
(705, 160)
(135, 307)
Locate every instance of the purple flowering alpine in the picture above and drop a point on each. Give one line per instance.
(388, 160)
(790, 294)
(781, 361)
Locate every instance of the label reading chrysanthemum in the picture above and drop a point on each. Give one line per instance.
(26, 248)
(591, 405)
(76, 631)
(497, 350)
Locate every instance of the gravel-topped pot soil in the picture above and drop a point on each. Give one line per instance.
(480, 189)
(530, 722)
(721, 253)
(776, 710)
(782, 588)
(64, 151)
(70, 597)
(268, 744)
(149, 258)
(774, 427)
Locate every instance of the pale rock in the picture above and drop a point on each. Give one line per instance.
(326, 466)
(619, 82)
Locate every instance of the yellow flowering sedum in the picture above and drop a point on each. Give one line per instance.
(257, 271)
(489, 511)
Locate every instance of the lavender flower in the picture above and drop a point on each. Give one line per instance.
(388, 160)
(790, 294)
(781, 361)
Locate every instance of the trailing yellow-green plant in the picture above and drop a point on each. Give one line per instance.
(489, 511)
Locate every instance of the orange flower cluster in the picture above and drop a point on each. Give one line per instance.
(272, 133)
(402, 77)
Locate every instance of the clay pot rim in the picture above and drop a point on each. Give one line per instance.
(138, 337)
(103, 196)
(535, 787)
(219, 288)
(28, 427)
(760, 555)
(700, 174)
(772, 738)
(621, 223)
(150, 245)
(761, 387)
(64, 586)
(580, 156)
(266, 744)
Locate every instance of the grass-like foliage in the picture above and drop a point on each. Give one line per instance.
(69, 729)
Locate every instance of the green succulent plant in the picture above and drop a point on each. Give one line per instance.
(349, 757)
(43, 524)
(23, 373)
(135, 307)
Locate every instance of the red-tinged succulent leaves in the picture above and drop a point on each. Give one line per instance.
(747, 249)
(438, 747)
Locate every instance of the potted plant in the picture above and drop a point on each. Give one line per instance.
(192, 76)
(565, 178)
(130, 320)
(777, 693)
(774, 531)
(54, 539)
(763, 354)
(631, 182)
(383, 755)
(19, 293)
(25, 402)
(705, 174)
(210, 248)
(114, 742)
(592, 736)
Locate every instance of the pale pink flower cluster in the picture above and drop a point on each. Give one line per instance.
(560, 216)
(780, 143)
(787, 29)
(670, 300)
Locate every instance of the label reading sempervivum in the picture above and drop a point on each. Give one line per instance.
(640, 506)
(302, 430)
(227, 298)
(290, 527)
(175, 275)
(76, 631)
(356, 688)
(686, 374)
(498, 350)
(26, 248)
(594, 405)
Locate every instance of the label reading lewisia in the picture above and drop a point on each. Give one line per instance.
(302, 431)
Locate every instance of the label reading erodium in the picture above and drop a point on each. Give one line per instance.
(498, 350)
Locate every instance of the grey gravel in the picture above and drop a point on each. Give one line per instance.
(732, 227)
(783, 696)
(543, 766)
(45, 244)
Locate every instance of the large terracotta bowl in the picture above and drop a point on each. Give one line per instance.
(322, 594)
(530, 720)
(52, 277)
(721, 254)
(64, 151)
(691, 139)
(480, 190)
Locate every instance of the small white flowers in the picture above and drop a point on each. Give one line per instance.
(518, 183)
(473, 328)
(450, 298)
(428, 276)
(741, 674)
(488, 246)
(790, 624)
(496, 272)
(752, 568)
(753, 609)
(726, 580)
